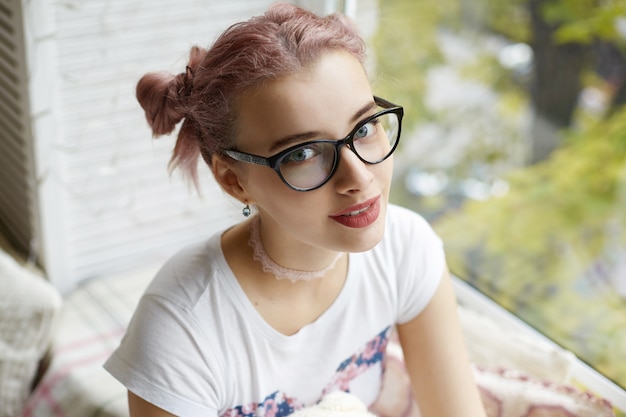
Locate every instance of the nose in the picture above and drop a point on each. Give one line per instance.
(352, 174)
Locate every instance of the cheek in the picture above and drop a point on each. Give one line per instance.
(260, 181)
(270, 194)
(384, 172)
(295, 214)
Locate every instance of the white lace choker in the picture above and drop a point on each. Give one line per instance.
(280, 272)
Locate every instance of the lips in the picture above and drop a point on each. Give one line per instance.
(359, 215)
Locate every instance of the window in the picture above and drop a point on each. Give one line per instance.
(514, 147)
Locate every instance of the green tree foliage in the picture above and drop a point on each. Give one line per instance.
(552, 249)
(564, 34)
(585, 21)
(406, 47)
(579, 21)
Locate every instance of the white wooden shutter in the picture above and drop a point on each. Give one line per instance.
(17, 206)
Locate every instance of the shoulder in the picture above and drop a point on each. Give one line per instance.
(406, 226)
(166, 355)
(188, 273)
(409, 243)
(415, 261)
(397, 214)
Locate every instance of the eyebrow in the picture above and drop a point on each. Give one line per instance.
(301, 137)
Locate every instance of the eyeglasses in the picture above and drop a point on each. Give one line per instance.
(309, 165)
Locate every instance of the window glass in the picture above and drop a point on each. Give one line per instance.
(514, 147)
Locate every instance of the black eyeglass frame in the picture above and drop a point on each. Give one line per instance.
(272, 161)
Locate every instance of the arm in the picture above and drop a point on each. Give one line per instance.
(141, 408)
(437, 361)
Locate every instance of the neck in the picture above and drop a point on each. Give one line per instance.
(269, 265)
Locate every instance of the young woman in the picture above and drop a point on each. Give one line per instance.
(300, 298)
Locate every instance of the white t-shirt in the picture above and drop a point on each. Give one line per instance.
(196, 346)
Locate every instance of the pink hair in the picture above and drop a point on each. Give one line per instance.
(285, 40)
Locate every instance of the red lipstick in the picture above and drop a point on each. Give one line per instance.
(359, 215)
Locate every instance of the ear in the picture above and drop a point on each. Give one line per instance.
(228, 177)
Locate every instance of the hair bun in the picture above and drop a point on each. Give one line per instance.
(157, 94)
(164, 97)
(196, 56)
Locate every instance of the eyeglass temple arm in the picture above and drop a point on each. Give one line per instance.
(384, 103)
(244, 157)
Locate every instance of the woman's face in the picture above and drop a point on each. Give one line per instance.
(325, 101)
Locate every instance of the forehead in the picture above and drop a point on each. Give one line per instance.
(322, 100)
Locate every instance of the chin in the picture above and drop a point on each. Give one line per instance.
(367, 238)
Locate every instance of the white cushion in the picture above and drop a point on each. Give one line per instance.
(493, 345)
(94, 319)
(29, 307)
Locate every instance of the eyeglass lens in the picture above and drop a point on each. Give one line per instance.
(310, 165)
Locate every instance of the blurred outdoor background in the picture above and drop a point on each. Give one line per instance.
(514, 147)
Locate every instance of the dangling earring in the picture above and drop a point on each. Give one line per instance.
(246, 210)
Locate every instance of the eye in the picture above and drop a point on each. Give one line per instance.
(302, 154)
(367, 129)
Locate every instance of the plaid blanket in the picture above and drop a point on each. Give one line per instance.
(92, 323)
